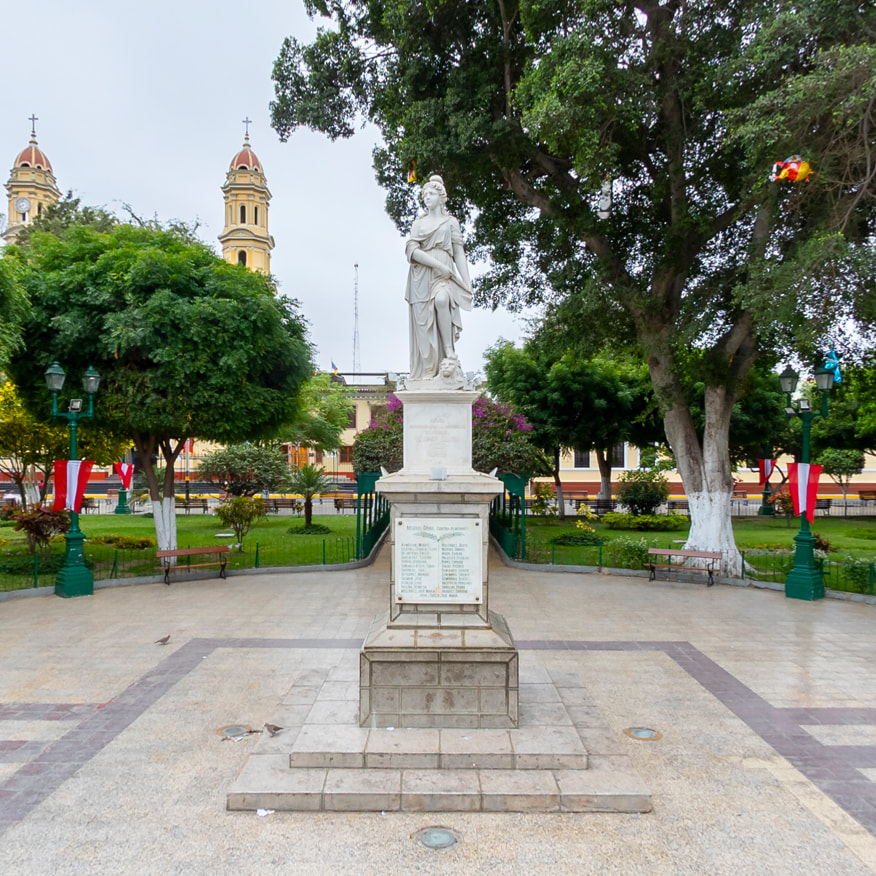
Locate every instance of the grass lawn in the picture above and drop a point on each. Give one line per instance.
(268, 542)
(854, 536)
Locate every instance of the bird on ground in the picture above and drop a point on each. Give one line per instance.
(272, 729)
(163, 640)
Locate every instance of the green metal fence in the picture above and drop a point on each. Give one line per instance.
(508, 517)
(372, 514)
(849, 574)
(24, 571)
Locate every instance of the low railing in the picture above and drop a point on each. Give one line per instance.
(25, 571)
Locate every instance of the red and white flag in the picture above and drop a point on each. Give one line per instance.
(766, 468)
(71, 477)
(125, 471)
(803, 482)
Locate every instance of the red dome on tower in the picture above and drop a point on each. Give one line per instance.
(33, 156)
(246, 159)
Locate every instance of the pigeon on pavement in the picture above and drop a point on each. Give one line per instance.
(272, 729)
(163, 640)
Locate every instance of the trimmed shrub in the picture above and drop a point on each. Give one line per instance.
(642, 491)
(578, 539)
(646, 522)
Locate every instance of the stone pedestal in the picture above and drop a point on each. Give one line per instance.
(439, 657)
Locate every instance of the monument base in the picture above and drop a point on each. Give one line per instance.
(458, 675)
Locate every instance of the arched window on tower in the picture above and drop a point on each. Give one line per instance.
(241, 257)
(39, 208)
(255, 215)
(243, 214)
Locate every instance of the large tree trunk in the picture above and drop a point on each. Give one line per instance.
(707, 477)
(558, 485)
(162, 495)
(603, 460)
(164, 513)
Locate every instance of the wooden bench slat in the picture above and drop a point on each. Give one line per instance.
(685, 554)
(192, 552)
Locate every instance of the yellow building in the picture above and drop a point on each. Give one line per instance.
(245, 238)
(31, 187)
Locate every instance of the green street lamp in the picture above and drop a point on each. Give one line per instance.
(805, 581)
(74, 578)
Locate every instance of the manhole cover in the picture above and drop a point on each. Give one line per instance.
(643, 734)
(234, 731)
(437, 837)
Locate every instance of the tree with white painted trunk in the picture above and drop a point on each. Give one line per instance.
(187, 346)
(618, 155)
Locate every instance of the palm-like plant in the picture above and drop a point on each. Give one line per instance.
(308, 481)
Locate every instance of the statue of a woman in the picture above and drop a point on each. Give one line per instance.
(439, 286)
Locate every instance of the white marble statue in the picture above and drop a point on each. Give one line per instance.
(439, 287)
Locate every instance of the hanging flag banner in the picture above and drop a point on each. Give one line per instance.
(125, 471)
(803, 483)
(71, 478)
(766, 468)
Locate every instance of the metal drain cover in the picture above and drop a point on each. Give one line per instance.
(234, 731)
(643, 734)
(437, 837)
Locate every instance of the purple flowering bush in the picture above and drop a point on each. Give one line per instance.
(500, 439)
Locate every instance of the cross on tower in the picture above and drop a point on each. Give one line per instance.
(33, 120)
(247, 121)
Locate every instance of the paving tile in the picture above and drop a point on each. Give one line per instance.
(360, 790)
(445, 790)
(519, 791)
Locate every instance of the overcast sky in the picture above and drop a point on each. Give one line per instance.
(143, 103)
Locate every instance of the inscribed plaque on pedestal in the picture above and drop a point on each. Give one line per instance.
(438, 559)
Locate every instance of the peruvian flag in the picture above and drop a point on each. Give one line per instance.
(125, 471)
(766, 468)
(71, 476)
(803, 481)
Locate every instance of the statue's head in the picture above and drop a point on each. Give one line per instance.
(435, 184)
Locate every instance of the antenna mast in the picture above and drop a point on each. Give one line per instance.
(356, 364)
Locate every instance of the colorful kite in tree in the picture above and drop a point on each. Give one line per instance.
(794, 169)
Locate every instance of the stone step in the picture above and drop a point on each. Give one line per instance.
(534, 748)
(611, 784)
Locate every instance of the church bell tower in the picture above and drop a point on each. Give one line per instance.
(31, 186)
(245, 238)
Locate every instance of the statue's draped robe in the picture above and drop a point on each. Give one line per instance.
(438, 239)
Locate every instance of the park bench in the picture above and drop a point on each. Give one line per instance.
(274, 505)
(188, 504)
(577, 498)
(867, 495)
(679, 505)
(669, 553)
(167, 567)
(602, 506)
(343, 503)
(88, 504)
(823, 505)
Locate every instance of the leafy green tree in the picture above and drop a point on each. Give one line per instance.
(241, 513)
(324, 412)
(187, 345)
(680, 110)
(308, 481)
(29, 445)
(13, 306)
(589, 404)
(246, 469)
(842, 466)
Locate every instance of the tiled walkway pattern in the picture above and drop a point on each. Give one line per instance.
(835, 748)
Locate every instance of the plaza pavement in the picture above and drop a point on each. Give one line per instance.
(110, 761)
